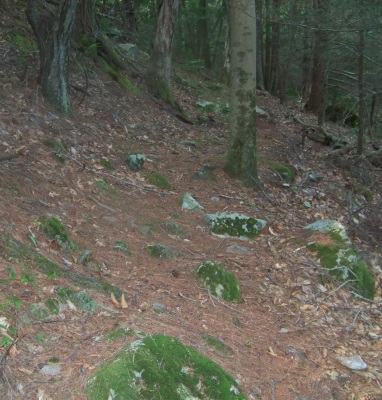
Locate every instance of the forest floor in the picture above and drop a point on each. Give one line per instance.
(293, 321)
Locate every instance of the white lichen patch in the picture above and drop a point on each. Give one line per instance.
(330, 226)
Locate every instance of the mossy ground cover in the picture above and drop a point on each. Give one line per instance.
(346, 265)
(161, 367)
(55, 230)
(220, 282)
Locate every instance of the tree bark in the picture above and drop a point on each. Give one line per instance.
(159, 74)
(54, 52)
(242, 158)
(316, 102)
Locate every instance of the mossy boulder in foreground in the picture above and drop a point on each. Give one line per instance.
(237, 225)
(161, 367)
(221, 283)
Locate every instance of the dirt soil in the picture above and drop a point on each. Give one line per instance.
(293, 321)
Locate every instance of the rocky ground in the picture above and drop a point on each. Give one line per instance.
(293, 321)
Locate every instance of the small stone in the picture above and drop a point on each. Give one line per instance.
(354, 363)
(190, 204)
(234, 248)
(159, 308)
(51, 369)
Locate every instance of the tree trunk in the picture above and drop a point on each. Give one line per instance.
(129, 17)
(316, 102)
(361, 92)
(159, 74)
(259, 47)
(242, 158)
(204, 45)
(54, 52)
(267, 45)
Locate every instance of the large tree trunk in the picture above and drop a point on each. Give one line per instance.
(54, 51)
(242, 159)
(159, 74)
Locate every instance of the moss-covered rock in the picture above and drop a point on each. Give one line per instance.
(345, 264)
(205, 174)
(55, 230)
(237, 225)
(80, 299)
(161, 251)
(136, 161)
(285, 173)
(161, 367)
(334, 228)
(160, 181)
(121, 245)
(220, 282)
(173, 228)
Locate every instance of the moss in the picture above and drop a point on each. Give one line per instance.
(161, 251)
(25, 44)
(120, 245)
(53, 305)
(173, 228)
(55, 230)
(364, 192)
(135, 161)
(59, 148)
(161, 367)
(206, 174)
(117, 75)
(121, 332)
(80, 299)
(159, 181)
(220, 282)
(39, 311)
(346, 265)
(17, 252)
(237, 225)
(217, 344)
(107, 164)
(105, 187)
(286, 173)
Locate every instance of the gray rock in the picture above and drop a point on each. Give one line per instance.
(190, 204)
(234, 248)
(159, 308)
(330, 226)
(51, 369)
(354, 363)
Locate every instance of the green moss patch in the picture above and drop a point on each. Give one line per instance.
(220, 282)
(159, 181)
(173, 228)
(346, 265)
(285, 173)
(121, 332)
(120, 245)
(161, 251)
(15, 251)
(237, 225)
(161, 367)
(217, 344)
(55, 230)
(80, 299)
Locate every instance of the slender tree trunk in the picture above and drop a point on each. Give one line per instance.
(259, 46)
(242, 158)
(204, 45)
(361, 92)
(316, 102)
(129, 17)
(275, 51)
(306, 73)
(54, 52)
(268, 45)
(159, 74)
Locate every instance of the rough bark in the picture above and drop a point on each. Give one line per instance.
(54, 51)
(159, 74)
(316, 102)
(242, 159)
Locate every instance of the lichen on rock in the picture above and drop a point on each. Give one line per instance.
(237, 225)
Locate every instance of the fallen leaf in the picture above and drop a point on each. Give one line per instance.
(271, 352)
(123, 302)
(114, 300)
